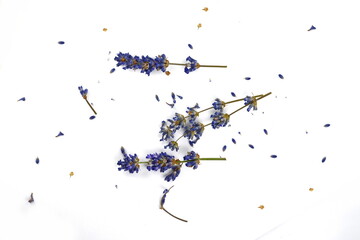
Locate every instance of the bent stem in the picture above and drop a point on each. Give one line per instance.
(261, 97)
(173, 215)
(90, 106)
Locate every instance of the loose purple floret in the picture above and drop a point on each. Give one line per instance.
(323, 160)
(60, 134)
(22, 99)
(239, 133)
(273, 156)
(233, 94)
(190, 46)
(224, 148)
(61, 42)
(327, 125)
(251, 146)
(157, 98)
(112, 70)
(92, 117)
(173, 97)
(312, 28)
(247, 78)
(37, 160)
(265, 131)
(281, 76)
(179, 96)
(233, 140)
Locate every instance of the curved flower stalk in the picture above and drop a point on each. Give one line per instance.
(162, 162)
(147, 64)
(192, 128)
(162, 202)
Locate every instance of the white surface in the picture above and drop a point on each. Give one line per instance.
(259, 39)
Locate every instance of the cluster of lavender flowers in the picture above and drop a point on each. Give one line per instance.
(193, 129)
(147, 64)
(162, 162)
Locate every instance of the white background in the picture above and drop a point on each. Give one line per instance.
(257, 39)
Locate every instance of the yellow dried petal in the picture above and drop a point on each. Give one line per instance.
(261, 206)
(311, 189)
(105, 29)
(205, 9)
(167, 73)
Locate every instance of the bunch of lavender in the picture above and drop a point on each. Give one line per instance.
(162, 162)
(192, 128)
(147, 64)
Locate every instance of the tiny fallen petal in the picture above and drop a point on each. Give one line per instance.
(327, 125)
(179, 96)
(190, 46)
(251, 146)
(323, 160)
(60, 134)
(37, 160)
(281, 76)
(233, 94)
(265, 131)
(273, 156)
(157, 98)
(21, 99)
(92, 117)
(247, 78)
(224, 148)
(61, 42)
(112, 70)
(233, 140)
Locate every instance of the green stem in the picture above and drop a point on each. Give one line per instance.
(173, 215)
(185, 64)
(90, 106)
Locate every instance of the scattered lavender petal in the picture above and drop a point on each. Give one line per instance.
(233, 94)
(171, 105)
(224, 148)
(116, 186)
(112, 99)
(92, 117)
(251, 146)
(312, 28)
(281, 76)
(247, 78)
(327, 125)
(265, 131)
(157, 98)
(233, 140)
(60, 134)
(190, 46)
(112, 70)
(323, 160)
(61, 42)
(273, 156)
(239, 133)
(173, 97)
(179, 96)
(21, 99)
(37, 160)
(31, 198)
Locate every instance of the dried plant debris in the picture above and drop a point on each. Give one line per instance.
(162, 201)
(199, 25)
(205, 9)
(311, 189)
(261, 207)
(31, 198)
(312, 28)
(71, 174)
(59, 134)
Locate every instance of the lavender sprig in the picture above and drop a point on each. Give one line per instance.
(162, 201)
(147, 64)
(84, 93)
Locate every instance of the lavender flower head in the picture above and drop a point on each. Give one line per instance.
(252, 103)
(145, 64)
(174, 173)
(194, 130)
(218, 104)
(166, 131)
(191, 65)
(193, 114)
(172, 146)
(193, 160)
(161, 161)
(219, 120)
(130, 162)
(83, 92)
